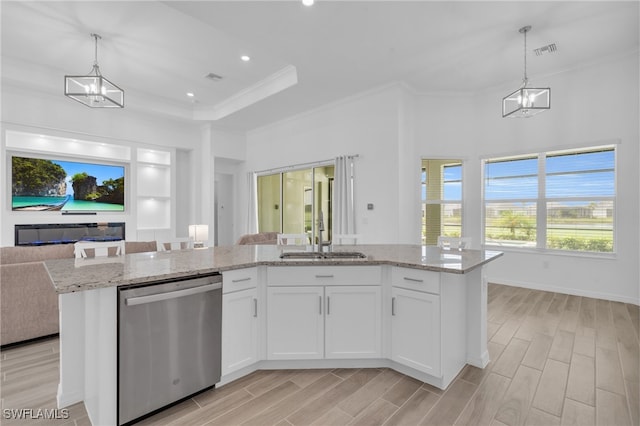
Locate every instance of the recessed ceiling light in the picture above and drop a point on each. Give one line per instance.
(190, 94)
(245, 58)
(307, 2)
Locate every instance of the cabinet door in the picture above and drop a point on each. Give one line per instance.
(415, 328)
(239, 330)
(295, 322)
(353, 322)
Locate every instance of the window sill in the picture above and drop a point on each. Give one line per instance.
(551, 252)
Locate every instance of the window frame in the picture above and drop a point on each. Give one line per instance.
(543, 200)
(281, 172)
(441, 202)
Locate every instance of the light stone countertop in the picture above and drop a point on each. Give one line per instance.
(71, 275)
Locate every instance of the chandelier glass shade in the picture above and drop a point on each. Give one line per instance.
(94, 90)
(526, 101)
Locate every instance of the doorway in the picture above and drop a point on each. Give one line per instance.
(223, 204)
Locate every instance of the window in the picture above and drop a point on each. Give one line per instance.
(511, 193)
(441, 199)
(561, 200)
(290, 202)
(580, 200)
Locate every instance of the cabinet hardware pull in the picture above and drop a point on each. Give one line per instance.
(255, 308)
(320, 305)
(328, 306)
(239, 280)
(393, 306)
(415, 280)
(324, 276)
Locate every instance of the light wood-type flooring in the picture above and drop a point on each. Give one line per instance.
(556, 360)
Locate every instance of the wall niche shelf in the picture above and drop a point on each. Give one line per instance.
(154, 191)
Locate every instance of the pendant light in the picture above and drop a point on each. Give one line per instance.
(526, 101)
(94, 90)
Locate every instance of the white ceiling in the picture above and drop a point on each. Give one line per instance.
(302, 57)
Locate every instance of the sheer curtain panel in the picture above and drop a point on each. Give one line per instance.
(252, 204)
(343, 204)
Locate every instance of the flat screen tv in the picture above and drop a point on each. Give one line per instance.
(42, 184)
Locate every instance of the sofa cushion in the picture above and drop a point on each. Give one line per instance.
(139, 246)
(29, 303)
(259, 238)
(28, 300)
(22, 254)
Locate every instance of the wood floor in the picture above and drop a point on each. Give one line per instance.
(556, 359)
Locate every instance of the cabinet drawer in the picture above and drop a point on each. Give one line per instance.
(324, 275)
(415, 279)
(239, 279)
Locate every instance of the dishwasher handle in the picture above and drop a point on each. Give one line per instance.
(172, 294)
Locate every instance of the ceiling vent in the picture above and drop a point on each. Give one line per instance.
(550, 48)
(213, 77)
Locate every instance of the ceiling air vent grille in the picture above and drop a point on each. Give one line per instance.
(213, 77)
(550, 48)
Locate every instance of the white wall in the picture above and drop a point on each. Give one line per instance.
(444, 129)
(185, 192)
(596, 104)
(392, 128)
(28, 111)
(40, 110)
(367, 126)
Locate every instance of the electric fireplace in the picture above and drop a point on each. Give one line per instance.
(67, 233)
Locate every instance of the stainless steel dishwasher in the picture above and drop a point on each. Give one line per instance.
(169, 338)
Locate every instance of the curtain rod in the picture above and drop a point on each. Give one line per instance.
(301, 165)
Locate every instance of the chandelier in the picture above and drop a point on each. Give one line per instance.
(94, 90)
(526, 101)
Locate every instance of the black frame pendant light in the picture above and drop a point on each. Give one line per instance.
(526, 101)
(93, 89)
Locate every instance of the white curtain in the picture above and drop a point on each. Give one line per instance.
(252, 204)
(343, 213)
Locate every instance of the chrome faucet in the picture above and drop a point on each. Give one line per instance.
(320, 229)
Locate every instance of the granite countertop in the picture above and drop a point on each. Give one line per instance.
(70, 275)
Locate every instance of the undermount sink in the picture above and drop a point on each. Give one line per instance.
(318, 255)
(344, 255)
(301, 255)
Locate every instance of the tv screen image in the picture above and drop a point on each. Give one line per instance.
(40, 184)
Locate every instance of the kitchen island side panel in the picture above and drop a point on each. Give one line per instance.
(88, 356)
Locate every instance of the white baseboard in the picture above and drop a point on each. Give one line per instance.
(69, 398)
(563, 290)
(334, 363)
(479, 362)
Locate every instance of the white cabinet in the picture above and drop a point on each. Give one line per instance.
(295, 322)
(333, 312)
(239, 330)
(312, 322)
(415, 330)
(239, 320)
(416, 320)
(352, 322)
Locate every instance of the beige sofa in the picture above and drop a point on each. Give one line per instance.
(260, 238)
(28, 301)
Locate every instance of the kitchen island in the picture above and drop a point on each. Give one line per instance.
(418, 309)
